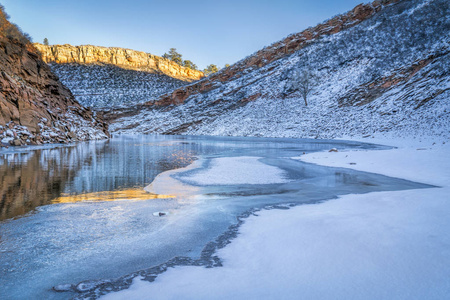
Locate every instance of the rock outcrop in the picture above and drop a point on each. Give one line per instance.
(280, 49)
(124, 58)
(35, 107)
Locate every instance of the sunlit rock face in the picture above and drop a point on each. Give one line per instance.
(124, 58)
(35, 107)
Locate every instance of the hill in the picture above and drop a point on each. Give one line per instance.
(102, 86)
(102, 77)
(382, 67)
(35, 107)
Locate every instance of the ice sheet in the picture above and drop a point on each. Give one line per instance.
(382, 245)
(238, 170)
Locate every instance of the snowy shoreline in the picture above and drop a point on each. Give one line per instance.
(382, 245)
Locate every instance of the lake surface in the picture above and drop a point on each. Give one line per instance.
(80, 212)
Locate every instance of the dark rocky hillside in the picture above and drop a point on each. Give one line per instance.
(35, 107)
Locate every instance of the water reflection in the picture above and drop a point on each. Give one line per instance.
(44, 176)
(32, 179)
(85, 171)
(128, 194)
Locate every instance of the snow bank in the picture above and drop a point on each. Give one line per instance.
(237, 170)
(422, 162)
(384, 245)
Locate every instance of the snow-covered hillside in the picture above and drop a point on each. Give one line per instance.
(387, 74)
(100, 85)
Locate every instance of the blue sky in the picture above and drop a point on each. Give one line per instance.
(205, 32)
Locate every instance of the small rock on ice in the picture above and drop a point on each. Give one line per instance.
(160, 213)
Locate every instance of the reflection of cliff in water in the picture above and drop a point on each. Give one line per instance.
(45, 176)
(129, 163)
(118, 168)
(34, 178)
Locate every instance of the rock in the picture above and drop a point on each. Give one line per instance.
(32, 99)
(333, 150)
(160, 213)
(124, 58)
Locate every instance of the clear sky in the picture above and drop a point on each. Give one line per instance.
(205, 32)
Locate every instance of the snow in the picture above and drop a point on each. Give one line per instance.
(411, 162)
(106, 86)
(6, 140)
(237, 170)
(382, 245)
(386, 74)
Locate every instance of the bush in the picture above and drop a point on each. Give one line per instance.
(12, 31)
(211, 69)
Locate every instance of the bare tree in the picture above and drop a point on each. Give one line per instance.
(304, 82)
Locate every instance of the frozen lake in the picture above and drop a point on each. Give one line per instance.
(80, 212)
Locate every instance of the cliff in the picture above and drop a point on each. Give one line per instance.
(123, 58)
(35, 107)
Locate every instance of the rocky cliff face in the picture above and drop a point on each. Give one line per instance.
(124, 58)
(382, 67)
(35, 107)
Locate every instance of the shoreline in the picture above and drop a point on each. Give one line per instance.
(186, 280)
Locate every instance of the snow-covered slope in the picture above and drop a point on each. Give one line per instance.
(388, 73)
(102, 85)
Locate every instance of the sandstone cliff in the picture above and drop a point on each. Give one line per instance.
(34, 105)
(124, 58)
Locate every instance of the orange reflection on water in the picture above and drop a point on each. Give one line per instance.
(128, 194)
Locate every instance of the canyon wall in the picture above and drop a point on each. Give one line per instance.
(35, 107)
(124, 58)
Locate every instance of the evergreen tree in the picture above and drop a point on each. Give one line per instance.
(210, 69)
(45, 41)
(174, 56)
(189, 64)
